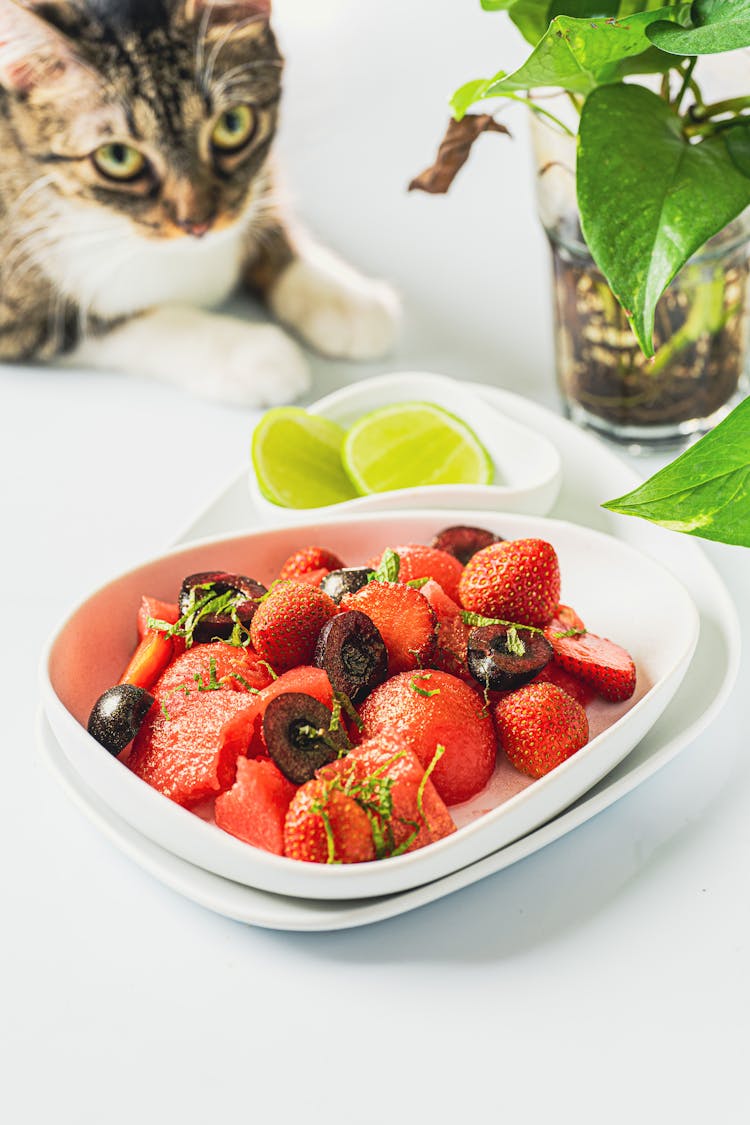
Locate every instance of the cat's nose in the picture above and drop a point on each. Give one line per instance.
(195, 229)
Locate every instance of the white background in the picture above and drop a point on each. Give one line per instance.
(606, 978)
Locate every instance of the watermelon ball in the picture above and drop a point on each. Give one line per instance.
(353, 653)
(299, 737)
(425, 710)
(118, 715)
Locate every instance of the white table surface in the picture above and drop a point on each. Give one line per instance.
(604, 979)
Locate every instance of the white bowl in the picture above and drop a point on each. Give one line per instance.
(618, 591)
(527, 465)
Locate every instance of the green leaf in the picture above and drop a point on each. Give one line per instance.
(706, 491)
(737, 140)
(720, 25)
(648, 198)
(579, 54)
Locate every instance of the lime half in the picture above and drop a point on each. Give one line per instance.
(297, 459)
(412, 444)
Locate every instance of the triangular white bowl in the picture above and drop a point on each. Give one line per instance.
(620, 593)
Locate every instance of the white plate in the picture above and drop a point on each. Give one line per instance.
(619, 592)
(591, 474)
(527, 465)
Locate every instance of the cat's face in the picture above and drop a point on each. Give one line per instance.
(162, 111)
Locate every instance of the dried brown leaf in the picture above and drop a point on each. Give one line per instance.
(454, 151)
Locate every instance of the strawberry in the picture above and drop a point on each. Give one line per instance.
(418, 561)
(539, 727)
(518, 580)
(607, 667)
(404, 619)
(287, 623)
(554, 674)
(309, 559)
(325, 825)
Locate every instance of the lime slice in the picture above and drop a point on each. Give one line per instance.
(411, 444)
(297, 459)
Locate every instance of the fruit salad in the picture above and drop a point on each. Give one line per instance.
(340, 714)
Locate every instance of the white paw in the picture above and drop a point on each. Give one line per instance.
(254, 365)
(336, 310)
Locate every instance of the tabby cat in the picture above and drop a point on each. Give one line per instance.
(137, 192)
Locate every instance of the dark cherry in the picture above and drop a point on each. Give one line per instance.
(118, 715)
(220, 624)
(353, 653)
(496, 666)
(296, 729)
(464, 542)
(346, 581)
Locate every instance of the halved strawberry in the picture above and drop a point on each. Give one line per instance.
(405, 620)
(606, 666)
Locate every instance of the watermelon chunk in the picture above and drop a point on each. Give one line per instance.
(232, 666)
(189, 744)
(255, 808)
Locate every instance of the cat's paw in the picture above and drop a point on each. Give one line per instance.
(336, 310)
(254, 365)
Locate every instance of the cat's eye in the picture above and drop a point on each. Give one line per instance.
(118, 161)
(233, 129)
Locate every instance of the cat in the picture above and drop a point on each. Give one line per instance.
(138, 191)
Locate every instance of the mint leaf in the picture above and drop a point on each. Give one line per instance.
(720, 25)
(388, 571)
(706, 491)
(649, 201)
(513, 643)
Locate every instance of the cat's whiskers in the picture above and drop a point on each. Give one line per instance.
(221, 43)
(33, 189)
(200, 46)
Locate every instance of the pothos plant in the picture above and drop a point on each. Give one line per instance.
(658, 175)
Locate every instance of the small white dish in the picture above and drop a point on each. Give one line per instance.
(527, 465)
(619, 591)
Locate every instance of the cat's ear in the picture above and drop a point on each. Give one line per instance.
(219, 13)
(32, 52)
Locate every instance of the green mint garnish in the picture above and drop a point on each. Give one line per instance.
(417, 583)
(513, 643)
(269, 669)
(420, 792)
(240, 680)
(420, 690)
(348, 707)
(165, 712)
(390, 566)
(477, 621)
(569, 633)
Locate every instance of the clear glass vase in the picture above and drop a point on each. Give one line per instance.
(700, 368)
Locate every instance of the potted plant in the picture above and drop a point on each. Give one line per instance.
(644, 192)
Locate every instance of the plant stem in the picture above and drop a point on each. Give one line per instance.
(686, 79)
(532, 105)
(729, 105)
